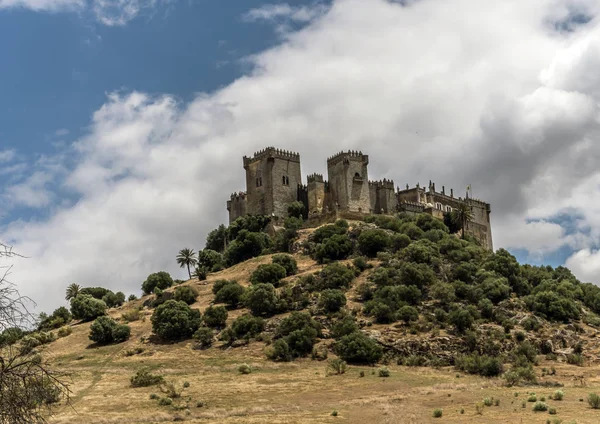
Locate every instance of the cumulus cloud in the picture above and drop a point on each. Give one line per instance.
(7, 155)
(427, 90)
(284, 11)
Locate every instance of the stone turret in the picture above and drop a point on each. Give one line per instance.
(349, 181)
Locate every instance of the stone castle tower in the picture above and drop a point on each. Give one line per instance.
(273, 181)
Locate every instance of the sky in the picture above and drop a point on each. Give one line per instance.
(123, 122)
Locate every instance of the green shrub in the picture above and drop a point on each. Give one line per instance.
(279, 351)
(204, 336)
(244, 327)
(244, 369)
(532, 398)
(540, 407)
(336, 276)
(370, 242)
(332, 300)
(245, 246)
(105, 330)
(344, 326)
(337, 366)
(358, 348)
(261, 299)
(461, 319)
(335, 248)
(483, 365)
(64, 331)
(86, 308)
(552, 411)
(382, 312)
(328, 231)
(519, 374)
(286, 261)
(558, 395)
(383, 372)
(210, 260)
(553, 306)
(594, 400)
(113, 300)
(185, 294)
(408, 314)
(215, 316)
(161, 280)
(121, 333)
(28, 344)
(437, 413)
(575, 359)
(133, 315)
(361, 264)
(268, 274)
(131, 298)
(174, 320)
(144, 378)
(230, 293)
(165, 401)
(531, 324)
(488, 402)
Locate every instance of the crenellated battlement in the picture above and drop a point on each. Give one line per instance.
(240, 195)
(350, 155)
(315, 178)
(272, 153)
(385, 183)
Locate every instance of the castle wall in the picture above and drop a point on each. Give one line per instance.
(349, 182)
(236, 206)
(316, 194)
(481, 227)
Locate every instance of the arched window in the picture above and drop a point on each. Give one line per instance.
(287, 180)
(356, 175)
(283, 180)
(448, 209)
(438, 206)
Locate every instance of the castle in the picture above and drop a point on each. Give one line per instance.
(273, 181)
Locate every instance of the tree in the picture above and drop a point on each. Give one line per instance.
(72, 291)
(161, 280)
(174, 320)
(87, 308)
(28, 386)
(461, 216)
(217, 239)
(187, 257)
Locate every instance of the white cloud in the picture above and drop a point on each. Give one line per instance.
(426, 90)
(61, 132)
(585, 264)
(43, 5)
(107, 12)
(284, 11)
(7, 155)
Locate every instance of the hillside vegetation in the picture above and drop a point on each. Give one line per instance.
(394, 319)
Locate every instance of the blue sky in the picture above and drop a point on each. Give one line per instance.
(123, 122)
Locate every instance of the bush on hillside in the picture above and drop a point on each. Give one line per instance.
(244, 328)
(344, 326)
(296, 209)
(335, 276)
(553, 307)
(328, 231)
(358, 348)
(175, 320)
(95, 292)
(296, 321)
(371, 242)
(106, 330)
(461, 319)
(86, 308)
(486, 366)
(10, 336)
(114, 300)
(186, 294)
(215, 316)
(286, 261)
(299, 331)
(261, 299)
(334, 248)
(247, 245)
(408, 314)
(382, 312)
(161, 280)
(279, 351)
(331, 300)
(268, 274)
(144, 378)
(210, 260)
(204, 336)
(230, 293)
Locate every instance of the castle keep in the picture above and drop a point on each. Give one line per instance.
(273, 181)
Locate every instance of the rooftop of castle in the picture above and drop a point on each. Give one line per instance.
(272, 152)
(350, 154)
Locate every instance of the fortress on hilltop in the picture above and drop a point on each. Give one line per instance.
(273, 181)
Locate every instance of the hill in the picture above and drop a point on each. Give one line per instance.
(449, 326)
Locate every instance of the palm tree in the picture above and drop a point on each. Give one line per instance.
(72, 291)
(187, 257)
(462, 215)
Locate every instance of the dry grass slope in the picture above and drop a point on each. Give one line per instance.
(296, 392)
